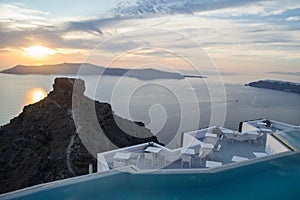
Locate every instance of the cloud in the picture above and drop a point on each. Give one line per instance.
(140, 9)
(87, 25)
(51, 38)
(119, 46)
(95, 25)
(260, 10)
(294, 18)
(18, 12)
(16, 16)
(153, 7)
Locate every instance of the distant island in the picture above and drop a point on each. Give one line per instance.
(91, 69)
(286, 73)
(276, 85)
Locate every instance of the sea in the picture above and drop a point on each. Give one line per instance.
(168, 107)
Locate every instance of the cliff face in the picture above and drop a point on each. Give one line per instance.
(59, 136)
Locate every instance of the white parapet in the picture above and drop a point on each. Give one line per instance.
(273, 146)
(101, 163)
(248, 127)
(189, 139)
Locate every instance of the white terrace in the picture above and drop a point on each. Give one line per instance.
(206, 148)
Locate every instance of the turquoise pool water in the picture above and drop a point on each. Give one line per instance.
(271, 179)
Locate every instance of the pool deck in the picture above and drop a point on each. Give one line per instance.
(229, 150)
(255, 141)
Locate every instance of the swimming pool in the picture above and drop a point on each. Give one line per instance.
(277, 178)
(291, 137)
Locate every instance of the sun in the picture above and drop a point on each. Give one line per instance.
(39, 51)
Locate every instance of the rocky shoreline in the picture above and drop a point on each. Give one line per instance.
(59, 136)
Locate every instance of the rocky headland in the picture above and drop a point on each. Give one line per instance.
(277, 85)
(59, 136)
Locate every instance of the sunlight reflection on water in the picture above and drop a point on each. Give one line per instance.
(35, 95)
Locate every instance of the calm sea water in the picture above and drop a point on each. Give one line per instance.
(168, 107)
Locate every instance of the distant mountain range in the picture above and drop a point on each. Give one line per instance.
(286, 73)
(91, 69)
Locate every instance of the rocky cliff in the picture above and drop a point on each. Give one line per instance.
(59, 136)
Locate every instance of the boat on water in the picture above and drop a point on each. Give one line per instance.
(262, 156)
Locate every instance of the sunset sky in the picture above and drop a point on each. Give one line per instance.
(238, 35)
